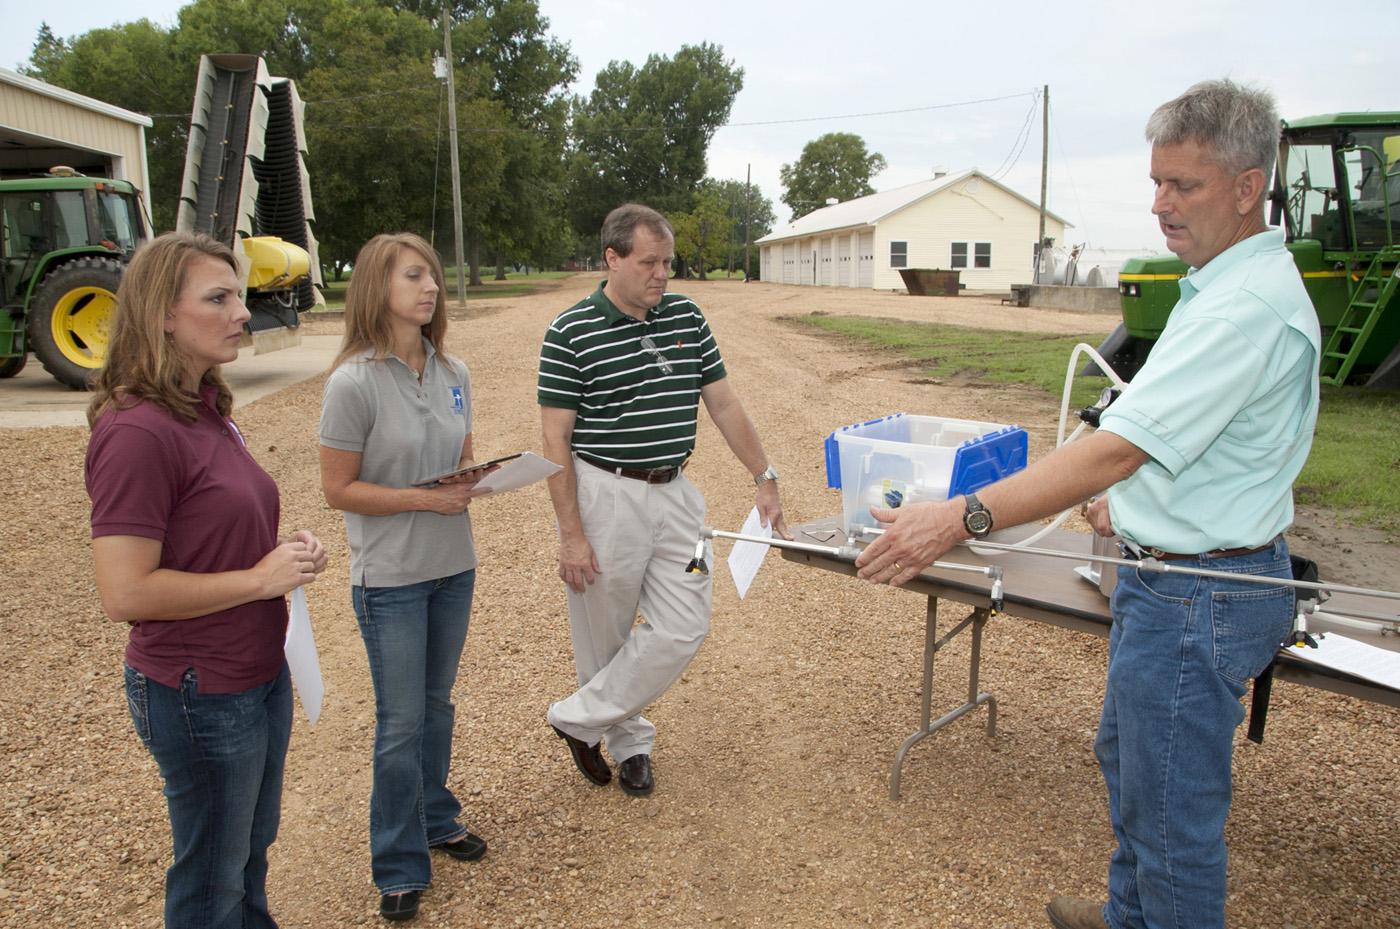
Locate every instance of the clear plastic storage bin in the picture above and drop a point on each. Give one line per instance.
(905, 458)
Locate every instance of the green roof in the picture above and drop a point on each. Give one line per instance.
(1338, 120)
(66, 183)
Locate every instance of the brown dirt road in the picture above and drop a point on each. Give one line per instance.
(771, 808)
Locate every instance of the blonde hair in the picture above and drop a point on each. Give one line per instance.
(367, 325)
(142, 362)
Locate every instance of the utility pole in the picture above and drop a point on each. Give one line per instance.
(456, 172)
(1044, 174)
(748, 212)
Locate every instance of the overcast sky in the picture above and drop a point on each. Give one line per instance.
(811, 68)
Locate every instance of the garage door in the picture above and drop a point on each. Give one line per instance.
(843, 261)
(824, 272)
(790, 263)
(865, 260)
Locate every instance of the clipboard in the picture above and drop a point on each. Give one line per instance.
(477, 466)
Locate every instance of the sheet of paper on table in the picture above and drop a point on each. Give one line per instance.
(302, 660)
(517, 473)
(1378, 665)
(745, 558)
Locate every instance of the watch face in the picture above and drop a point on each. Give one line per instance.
(978, 521)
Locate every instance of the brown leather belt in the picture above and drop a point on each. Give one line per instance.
(1216, 553)
(648, 475)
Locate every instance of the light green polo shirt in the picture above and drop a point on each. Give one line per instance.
(1225, 406)
(404, 430)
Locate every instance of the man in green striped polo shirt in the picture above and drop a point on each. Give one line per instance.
(622, 375)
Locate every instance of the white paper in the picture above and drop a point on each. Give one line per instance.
(745, 558)
(1359, 659)
(518, 473)
(302, 659)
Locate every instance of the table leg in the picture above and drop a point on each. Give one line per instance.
(932, 644)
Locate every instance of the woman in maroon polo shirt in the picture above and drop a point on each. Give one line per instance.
(185, 545)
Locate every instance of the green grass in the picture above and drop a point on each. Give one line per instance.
(1036, 359)
(516, 284)
(1354, 466)
(1355, 460)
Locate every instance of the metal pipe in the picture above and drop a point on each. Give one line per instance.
(1162, 567)
(843, 551)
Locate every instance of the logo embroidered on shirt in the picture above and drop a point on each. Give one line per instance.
(457, 403)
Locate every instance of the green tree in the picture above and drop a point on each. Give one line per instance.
(507, 57)
(834, 165)
(741, 203)
(703, 233)
(642, 134)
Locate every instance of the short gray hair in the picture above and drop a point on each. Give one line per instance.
(1240, 124)
(620, 224)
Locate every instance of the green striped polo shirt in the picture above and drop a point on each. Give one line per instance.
(631, 412)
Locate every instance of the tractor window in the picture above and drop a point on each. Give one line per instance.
(1313, 199)
(1373, 178)
(24, 225)
(117, 215)
(69, 219)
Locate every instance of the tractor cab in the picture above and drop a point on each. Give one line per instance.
(1338, 184)
(1336, 194)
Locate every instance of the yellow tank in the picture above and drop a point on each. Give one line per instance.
(274, 263)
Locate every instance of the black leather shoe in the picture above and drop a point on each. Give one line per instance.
(469, 847)
(587, 758)
(634, 775)
(400, 906)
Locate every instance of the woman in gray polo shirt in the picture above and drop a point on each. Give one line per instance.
(398, 410)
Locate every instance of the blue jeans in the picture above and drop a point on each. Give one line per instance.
(414, 636)
(1180, 654)
(221, 757)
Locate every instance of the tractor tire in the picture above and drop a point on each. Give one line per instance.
(9, 367)
(69, 318)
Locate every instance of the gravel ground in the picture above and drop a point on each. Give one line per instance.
(771, 807)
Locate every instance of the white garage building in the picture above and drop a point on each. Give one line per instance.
(964, 221)
(42, 126)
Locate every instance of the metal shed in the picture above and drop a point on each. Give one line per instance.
(42, 126)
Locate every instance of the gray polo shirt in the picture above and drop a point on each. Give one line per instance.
(404, 431)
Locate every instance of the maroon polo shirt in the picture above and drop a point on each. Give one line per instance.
(194, 488)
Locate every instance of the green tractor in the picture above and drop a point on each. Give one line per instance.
(1337, 194)
(66, 240)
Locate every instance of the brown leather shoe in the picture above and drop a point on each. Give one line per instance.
(587, 758)
(634, 775)
(1073, 913)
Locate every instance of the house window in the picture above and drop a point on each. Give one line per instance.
(980, 255)
(899, 254)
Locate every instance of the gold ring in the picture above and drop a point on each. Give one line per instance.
(897, 567)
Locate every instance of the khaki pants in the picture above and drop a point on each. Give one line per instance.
(643, 536)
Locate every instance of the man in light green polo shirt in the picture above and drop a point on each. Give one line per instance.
(1198, 457)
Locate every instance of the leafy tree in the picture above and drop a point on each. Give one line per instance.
(642, 134)
(703, 233)
(743, 202)
(507, 57)
(834, 165)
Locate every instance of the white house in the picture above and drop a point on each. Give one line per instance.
(964, 221)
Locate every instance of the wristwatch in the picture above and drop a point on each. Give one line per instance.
(769, 473)
(977, 519)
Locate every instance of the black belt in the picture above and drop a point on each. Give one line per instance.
(648, 475)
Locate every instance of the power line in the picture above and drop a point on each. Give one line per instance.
(1018, 145)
